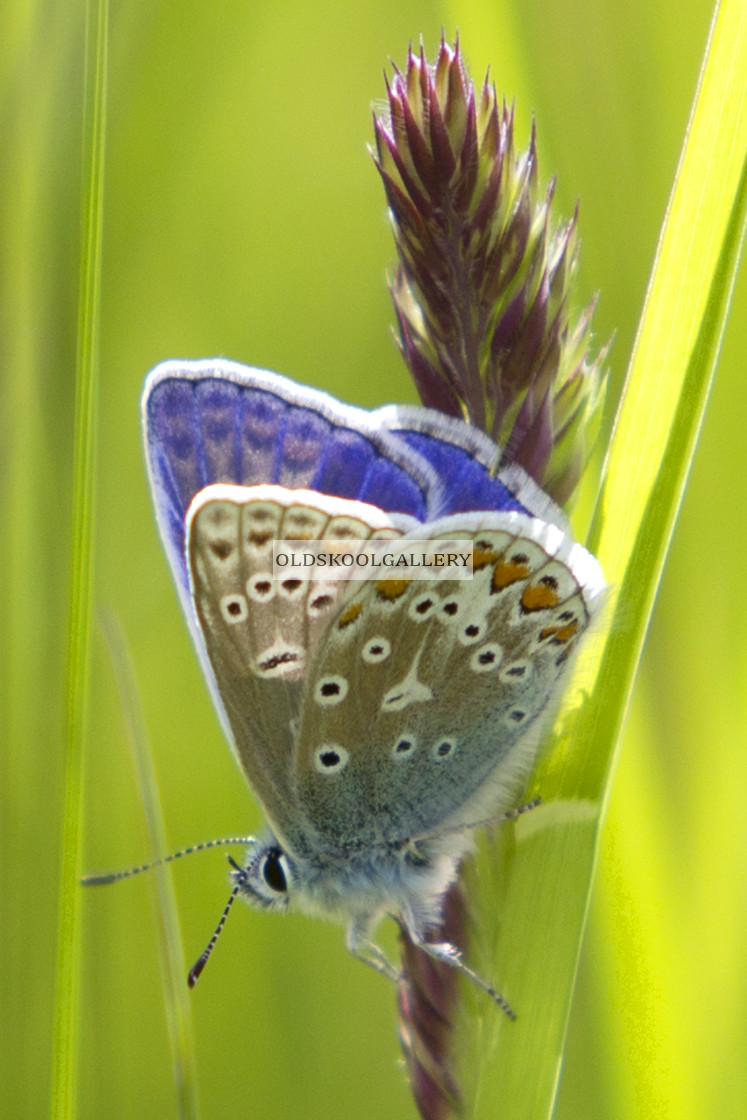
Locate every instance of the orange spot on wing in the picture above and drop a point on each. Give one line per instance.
(481, 557)
(507, 573)
(391, 589)
(539, 597)
(349, 615)
(560, 634)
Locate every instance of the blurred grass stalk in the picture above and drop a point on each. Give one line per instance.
(67, 979)
(64, 1076)
(513, 1070)
(176, 1000)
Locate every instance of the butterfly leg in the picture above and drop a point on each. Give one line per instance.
(448, 954)
(360, 945)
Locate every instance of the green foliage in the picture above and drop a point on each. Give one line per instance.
(67, 978)
(242, 217)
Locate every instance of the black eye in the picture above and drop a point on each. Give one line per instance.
(273, 872)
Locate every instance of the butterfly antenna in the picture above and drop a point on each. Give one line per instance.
(518, 811)
(128, 872)
(509, 815)
(196, 969)
(467, 826)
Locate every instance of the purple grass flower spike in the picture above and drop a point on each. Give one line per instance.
(483, 282)
(428, 999)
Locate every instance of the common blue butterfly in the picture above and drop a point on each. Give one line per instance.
(379, 722)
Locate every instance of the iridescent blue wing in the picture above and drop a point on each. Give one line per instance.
(218, 421)
(467, 464)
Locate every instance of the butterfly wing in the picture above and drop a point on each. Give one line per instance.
(259, 633)
(444, 684)
(218, 421)
(215, 421)
(467, 463)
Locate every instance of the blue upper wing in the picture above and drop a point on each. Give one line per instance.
(216, 421)
(467, 464)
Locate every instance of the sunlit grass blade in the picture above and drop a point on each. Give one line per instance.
(541, 878)
(171, 952)
(64, 1086)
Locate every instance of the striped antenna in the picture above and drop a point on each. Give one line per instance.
(115, 876)
(467, 826)
(197, 967)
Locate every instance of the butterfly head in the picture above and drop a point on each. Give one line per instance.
(268, 877)
(354, 888)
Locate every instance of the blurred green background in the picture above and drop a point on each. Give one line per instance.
(243, 217)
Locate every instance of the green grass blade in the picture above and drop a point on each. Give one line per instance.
(544, 870)
(171, 952)
(64, 1085)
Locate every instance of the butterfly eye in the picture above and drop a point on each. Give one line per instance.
(274, 871)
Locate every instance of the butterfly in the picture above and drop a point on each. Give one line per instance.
(377, 722)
